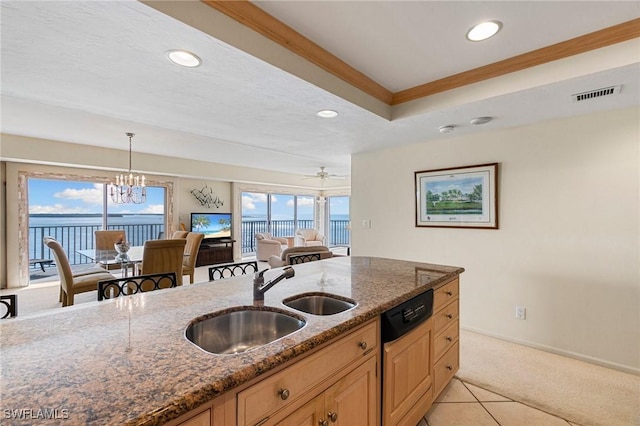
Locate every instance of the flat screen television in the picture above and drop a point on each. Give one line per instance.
(212, 225)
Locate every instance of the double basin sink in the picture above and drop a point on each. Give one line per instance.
(247, 327)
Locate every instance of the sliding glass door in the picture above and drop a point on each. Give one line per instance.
(71, 211)
(339, 221)
(279, 214)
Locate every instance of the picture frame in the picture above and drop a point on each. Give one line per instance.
(458, 197)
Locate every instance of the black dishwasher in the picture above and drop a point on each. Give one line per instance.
(406, 360)
(400, 320)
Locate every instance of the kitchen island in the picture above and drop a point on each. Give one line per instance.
(127, 361)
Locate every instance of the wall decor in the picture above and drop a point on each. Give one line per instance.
(207, 197)
(458, 197)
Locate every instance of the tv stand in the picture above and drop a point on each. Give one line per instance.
(215, 251)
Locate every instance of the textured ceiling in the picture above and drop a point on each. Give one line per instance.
(86, 72)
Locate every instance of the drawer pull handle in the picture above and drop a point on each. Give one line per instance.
(448, 293)
(449, 316)
(363, 345)
(323, 422)
(284, 394)
(332, 416)
(449, 339)
(449, 367)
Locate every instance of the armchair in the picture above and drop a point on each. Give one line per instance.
(308, 238)
(268, 245)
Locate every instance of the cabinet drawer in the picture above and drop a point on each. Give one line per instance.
(264, 398)
(445, 368)
(445, 317)
(445, 340)
(445, 294)
(202, 419)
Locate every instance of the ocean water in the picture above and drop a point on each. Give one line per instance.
(76, 232)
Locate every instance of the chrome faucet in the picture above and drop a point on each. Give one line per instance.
(260, 288)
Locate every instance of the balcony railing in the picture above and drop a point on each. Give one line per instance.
(81, 237)
(339, 234)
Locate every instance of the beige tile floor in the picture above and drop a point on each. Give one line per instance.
(463, 404)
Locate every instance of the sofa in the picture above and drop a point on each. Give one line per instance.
(283, 259)
(267, 245)
(308, 238)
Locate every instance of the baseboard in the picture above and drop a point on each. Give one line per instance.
(569, 354)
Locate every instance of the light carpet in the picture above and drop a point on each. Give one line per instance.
(584, 393)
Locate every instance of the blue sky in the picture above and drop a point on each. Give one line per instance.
(61, 196)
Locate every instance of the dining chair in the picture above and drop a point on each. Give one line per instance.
(10, 302)
(161, 256)
(194, 239)
(105, 240)
(228, 270)
(71, 284)
(131, 285)
(179, 234)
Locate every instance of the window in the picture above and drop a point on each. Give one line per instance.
(339, 221)
(279, 214)
(71, 211)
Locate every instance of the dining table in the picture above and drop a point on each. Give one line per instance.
(130, 259)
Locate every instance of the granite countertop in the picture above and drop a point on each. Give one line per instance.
(126, 360)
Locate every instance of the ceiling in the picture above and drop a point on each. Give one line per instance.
(86, 72)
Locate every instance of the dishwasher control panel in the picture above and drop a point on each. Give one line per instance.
(406, 316)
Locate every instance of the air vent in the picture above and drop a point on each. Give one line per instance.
(598, 93)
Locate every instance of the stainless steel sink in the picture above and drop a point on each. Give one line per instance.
(241, 329)
(319, 303)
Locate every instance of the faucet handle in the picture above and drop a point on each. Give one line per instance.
(261, 273)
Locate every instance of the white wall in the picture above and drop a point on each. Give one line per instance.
(568, 247)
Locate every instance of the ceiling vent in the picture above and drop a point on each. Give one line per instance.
(598, 93)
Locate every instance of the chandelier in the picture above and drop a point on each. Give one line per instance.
(129, 189)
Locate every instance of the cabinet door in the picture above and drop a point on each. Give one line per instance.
(309, 414)
(353, 400)
(407, 372)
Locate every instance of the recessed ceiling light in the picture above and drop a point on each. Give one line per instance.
(447, 129)
(327, 113)
(480, 120)
(484, 30)
(184, 58)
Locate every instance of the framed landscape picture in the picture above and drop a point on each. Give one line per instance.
(461, 197)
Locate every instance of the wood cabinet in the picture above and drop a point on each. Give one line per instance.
(407, 376)
(202, 419)
(342, 373)
(446, 331)
(211, 253)
(350, 401)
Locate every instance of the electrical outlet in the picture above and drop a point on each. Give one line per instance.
(366, 223)
(521, 312)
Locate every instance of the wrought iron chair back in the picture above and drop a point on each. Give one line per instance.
(132, 285)
(10, 301)
(295, 259)
(228, 270)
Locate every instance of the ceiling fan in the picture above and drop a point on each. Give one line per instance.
(323, 175)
